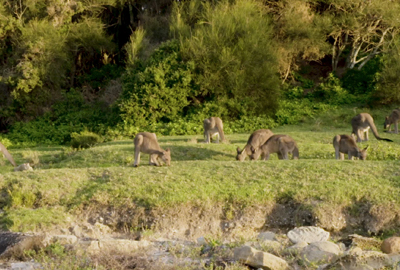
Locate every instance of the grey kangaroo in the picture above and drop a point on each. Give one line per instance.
(213, 126)
(361, 124)
(345, 144)
(147, 143)
(280, 144)
(256, 139)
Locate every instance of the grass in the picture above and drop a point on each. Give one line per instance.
(65, 181)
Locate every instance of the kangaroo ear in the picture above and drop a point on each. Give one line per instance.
(167, 150)
(238, 150)
(253, 150)
(366, 148)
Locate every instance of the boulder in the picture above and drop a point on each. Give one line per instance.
(267, 236)
(391, 245)
(259, 259)
(15, 244)
(308, 234)
(296, 248)
(323, 251)
(357, 259)
(111, 245)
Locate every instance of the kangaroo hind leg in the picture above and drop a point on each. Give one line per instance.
(138, 143)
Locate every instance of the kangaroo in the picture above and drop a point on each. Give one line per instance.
(7, 154)
(280, 144)
(213, 126)
(392, 119)
(23, 167)
(256, 139)
(361, 124)
(146, 142)
(345, 144)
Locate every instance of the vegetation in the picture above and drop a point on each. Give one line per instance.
(118, 67)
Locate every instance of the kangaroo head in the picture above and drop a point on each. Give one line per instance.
(255, 153)
(363, 153)
(166, 157)
(241, 154)
(387, 123)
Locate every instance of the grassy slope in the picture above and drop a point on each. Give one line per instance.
(200, 173)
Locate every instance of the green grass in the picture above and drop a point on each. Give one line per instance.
(66, 181)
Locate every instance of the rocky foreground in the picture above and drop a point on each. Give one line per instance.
(301, 248)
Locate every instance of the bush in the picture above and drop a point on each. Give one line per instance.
(85, 139)
(332, 92)
(159, 91)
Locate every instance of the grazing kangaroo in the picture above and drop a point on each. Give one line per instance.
(7, 154)
(280, 144)
(256, 139)
(361, 124)
(345, 144)
(392, 119)
(146, 142)
(213, 126)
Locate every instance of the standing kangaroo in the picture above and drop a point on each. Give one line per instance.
(280, 144)
(146, 142)
(7, 154)
(392, 119)
(256, 139)
(213, 126)
(361, 124)
(345, 144)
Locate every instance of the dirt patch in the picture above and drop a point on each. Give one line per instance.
(193, 221)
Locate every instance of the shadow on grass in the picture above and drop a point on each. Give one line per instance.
(185, 153)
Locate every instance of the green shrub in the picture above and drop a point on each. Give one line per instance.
(159, 91)
(332, 92)
(85, 139)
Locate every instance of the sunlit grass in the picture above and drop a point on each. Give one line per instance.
(199, 174)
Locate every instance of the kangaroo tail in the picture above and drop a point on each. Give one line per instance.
(375, 132)
(384, 139)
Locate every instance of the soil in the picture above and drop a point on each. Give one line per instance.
(193, 221)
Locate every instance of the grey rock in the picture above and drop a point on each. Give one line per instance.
(267, 236)
(308, 234)
(318, 252)
(259, 259)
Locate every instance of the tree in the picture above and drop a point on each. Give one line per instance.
(232, 48)
(300, 33)
(360, 29)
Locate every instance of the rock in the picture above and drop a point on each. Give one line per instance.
(25, 266)
(266, 236)
(111, 245)
(259, 259)
(391, 245)
(61, 239)
(308, 234)
(15, 244)
(201, 240)
(355, 240)
(323, 251)
(356, 259)
(77, 231)
(296, 248)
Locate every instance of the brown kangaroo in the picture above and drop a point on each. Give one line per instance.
(345, 144)
(213, 126)
(146, 142)
(361, 124)
(280, 144)
(256, 139)
(392, 119)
